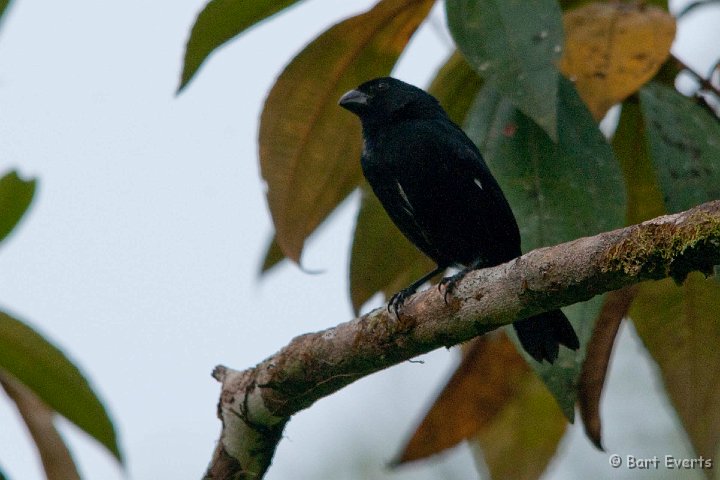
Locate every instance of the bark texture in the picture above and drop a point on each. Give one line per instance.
(255, 404)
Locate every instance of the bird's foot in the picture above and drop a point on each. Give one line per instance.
(449, 283)
(396, 301)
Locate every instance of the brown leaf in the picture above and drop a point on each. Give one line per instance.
(521, 440)
(273, 256)
(490, 375)
(382, 259)
(38, 418)
(680, 326)
(309, 147)
(612, 49)
(597, 359)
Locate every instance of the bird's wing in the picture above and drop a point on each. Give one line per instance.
(456, 196)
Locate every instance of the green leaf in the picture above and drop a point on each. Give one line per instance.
(514, 46)
(684, 144)
(561, 378)
(382, 259)
(455, 86)
(220, 21)
(631, 149)
(558, 192)
(310, 147)
(44, 369)
(680, 326)
(16, 195)
(3, 6)
(570, 4)
(273, 256)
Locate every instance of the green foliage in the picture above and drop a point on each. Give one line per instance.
(43, 368)
(220, 21)
(455, 86)
(3, 6)
(559, 173)
(514, 46)
(555, 193)
(679, 326)
(382, 259)
(632, 151)
(16, 195)
(684, 144)
(555, 189)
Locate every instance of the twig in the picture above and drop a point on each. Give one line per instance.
(255, 404)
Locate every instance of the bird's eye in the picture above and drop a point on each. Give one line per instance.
(382, 86)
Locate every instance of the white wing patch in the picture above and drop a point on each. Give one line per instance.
(406, 201)
(478, 183)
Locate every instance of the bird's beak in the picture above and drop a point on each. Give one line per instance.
(353, 100)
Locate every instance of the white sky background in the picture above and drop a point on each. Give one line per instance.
(139, 257)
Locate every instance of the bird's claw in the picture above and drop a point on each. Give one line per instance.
(449, 283)
(396, 301)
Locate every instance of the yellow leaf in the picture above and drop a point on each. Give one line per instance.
(612, 49)
(519, 443)
(309, 147)
(680, 326)
(496, 398)
(489, 377)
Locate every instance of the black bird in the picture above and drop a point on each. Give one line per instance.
(436, 187)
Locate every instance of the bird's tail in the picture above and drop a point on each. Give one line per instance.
(542, 335)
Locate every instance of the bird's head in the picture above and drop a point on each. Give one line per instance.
(386, 98)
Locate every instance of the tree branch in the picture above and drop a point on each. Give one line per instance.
(255, 404)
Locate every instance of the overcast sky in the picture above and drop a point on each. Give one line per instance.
(139, 257)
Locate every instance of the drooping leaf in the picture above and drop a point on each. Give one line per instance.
(570, 4)
(684, 144)
(597, 359)
(220, 21)
(3, 6)
(612, 49)
(561, 377)
(680, 326)
(644, 201)
(514, 46)
(520, 441)
(630, 144)
(558, 192)
(491, 378)
(16, 195)
(694, 5)
(38, 417)
(45, 370)
(455, 86)
(310, 147)
(382, 259)
(273, 256)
